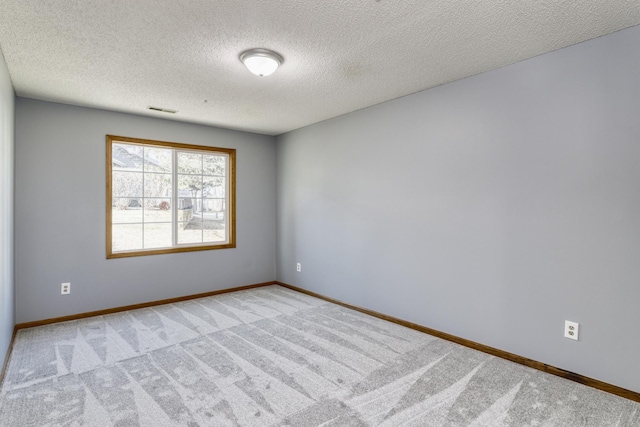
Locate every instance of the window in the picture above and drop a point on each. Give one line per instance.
(165, 197)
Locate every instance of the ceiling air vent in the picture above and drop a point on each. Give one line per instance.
(162, 110)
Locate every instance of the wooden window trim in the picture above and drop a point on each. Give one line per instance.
(111, 139)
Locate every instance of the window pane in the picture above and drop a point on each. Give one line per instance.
(157, 185)
(214, 236)
(213, 187)
(189, 185)
(190, 232)
(157, 159)
(157, 210)
(126, 157)
(213, 229)
(126, 210)
(126, 237)
(157, 235)
(189, 163)
(213, 206)
(214, 165)
(126, 184)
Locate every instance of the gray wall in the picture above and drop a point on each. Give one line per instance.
(60, 214)
(7, 298)
(492, 208)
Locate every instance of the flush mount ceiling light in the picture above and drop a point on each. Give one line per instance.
(261, 62)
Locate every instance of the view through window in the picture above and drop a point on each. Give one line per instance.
(167, 197)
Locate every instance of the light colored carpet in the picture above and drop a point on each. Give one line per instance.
(274, 357)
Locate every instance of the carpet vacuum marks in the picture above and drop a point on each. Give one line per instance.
(271, 356)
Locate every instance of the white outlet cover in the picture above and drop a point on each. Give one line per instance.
(571, 330)
(299, 267)
(65, 288)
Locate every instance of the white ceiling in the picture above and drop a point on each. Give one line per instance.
(340, 55)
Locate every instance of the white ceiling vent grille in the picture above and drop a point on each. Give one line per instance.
(162, 110)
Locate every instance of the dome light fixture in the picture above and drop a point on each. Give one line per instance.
(261, 62)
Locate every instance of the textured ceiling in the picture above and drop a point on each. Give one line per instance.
(340, 55)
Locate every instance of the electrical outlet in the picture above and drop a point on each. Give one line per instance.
(65, 288)
(298, 267)
(571, 330)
